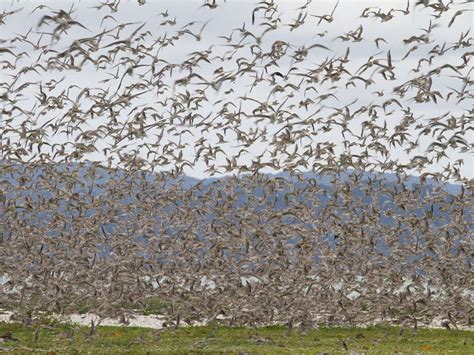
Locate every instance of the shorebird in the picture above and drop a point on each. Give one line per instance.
(319, 216)
(328, 18)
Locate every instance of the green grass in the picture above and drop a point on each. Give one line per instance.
(211, 339)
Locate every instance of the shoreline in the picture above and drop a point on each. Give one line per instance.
(158, 321)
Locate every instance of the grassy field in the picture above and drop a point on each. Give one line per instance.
(17, 338)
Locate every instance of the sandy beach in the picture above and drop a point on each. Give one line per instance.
(159, 321)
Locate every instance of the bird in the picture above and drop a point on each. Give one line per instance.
(328, 18)
(456, 14)
(238, 174)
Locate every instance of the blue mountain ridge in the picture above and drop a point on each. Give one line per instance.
(85, 188)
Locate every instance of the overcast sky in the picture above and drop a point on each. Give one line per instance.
(222, 21)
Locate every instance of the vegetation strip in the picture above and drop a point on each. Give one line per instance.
(61, 338)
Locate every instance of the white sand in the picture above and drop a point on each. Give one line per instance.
(137, 320)
(157, 321)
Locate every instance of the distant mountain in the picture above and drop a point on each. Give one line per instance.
(187, 181)
(20, 182)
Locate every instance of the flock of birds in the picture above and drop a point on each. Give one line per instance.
(99, 128)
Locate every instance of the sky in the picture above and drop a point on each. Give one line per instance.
(225, 20)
